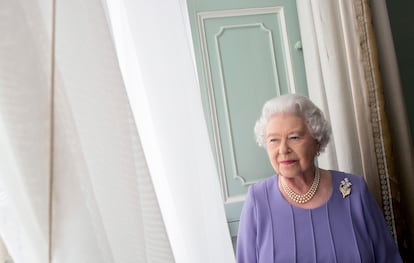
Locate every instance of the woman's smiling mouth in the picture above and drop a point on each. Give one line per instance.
(287, 162)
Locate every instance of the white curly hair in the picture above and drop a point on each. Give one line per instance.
(301, 106)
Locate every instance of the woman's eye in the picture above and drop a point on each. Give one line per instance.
(294, 138)
(273, 140)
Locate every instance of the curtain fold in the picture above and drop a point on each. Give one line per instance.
(124, 156)
(104, 206)
(154, 47)
(389, 119)
(25, 72)
(100, 167)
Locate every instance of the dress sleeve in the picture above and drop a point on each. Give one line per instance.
(384, 246)
(246, 237)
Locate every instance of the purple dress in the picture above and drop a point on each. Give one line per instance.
(350, 229)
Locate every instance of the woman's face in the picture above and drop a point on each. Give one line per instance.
(290, 146)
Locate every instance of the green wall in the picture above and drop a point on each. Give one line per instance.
(402, 25)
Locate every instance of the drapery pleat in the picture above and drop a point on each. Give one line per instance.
(69, 131)
(390, 131)
(25, 128)
(154, 47)
(375, 99)
(100, 143)
(104, 207)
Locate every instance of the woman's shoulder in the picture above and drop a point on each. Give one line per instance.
(260, 188)
(259, 193)
(263, 183)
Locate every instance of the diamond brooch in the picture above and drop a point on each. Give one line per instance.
(345, 187)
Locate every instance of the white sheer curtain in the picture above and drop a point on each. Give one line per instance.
(154, 46)
(106, 205)
(25, 74)
(105, 208)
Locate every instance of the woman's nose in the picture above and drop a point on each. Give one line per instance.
(283, 147)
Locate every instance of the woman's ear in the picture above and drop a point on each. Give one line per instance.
(318, 148)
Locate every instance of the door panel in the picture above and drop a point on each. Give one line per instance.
(245, 55)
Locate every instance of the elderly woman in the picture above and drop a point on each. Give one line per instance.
(305, 213)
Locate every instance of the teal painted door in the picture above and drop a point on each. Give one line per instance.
(246, 53)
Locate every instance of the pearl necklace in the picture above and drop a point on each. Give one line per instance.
(301, 199)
